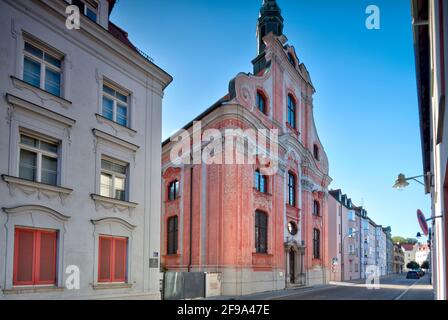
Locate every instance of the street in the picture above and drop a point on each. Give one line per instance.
(395, 287)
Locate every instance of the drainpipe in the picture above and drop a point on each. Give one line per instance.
(191, 219)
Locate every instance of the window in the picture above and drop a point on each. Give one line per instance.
(261, 232)
(173, 190)
(112, 259)
(113, 179)
(356, 267)
(316, 244)
(172, 235)
(291, 189)
(87, 7)
(316, 152)
(291, 59)
(316, 208)
(41, 68)
(292, 228)
(115, 105)
(38, 159)
(291, 112)
(261, 102)
(34, 257)
(261, 182)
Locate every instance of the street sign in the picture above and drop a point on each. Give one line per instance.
(422, 221)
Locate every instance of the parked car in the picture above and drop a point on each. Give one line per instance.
(421, 273)
(412, 275)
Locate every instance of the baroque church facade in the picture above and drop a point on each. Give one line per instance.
(261, 232)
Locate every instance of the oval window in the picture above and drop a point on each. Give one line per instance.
(292, 228)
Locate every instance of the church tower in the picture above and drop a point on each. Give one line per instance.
(270, 20)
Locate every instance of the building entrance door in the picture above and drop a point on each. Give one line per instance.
(292, 266)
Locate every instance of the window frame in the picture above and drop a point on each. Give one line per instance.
(316, 243)
(176, 185)
(261, 243)
(259, 181)
(87, 5)
(292, 111)
(46, 50)
(112, 278)
(36, 256)
(171, 248)
(316, 152)
(115, 175)
(115, 102)
(39, 153)
(261, 97)
(292, 189)
(316, 208)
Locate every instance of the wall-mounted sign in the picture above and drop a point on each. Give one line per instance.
(422, 221)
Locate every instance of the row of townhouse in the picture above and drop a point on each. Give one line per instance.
(80, 132)
(417, 252)
(357, 246)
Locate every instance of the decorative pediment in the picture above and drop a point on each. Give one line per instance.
(119, 221)
(32, 208)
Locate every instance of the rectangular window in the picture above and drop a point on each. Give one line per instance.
(115, 105)
(291, 112)
(112, 259)
(113, 179)
(261, 232)
(172, 235)
(34, 257)
(291, 189)
(42, 68)
(260, 182)
(87, 7)
(38, 159)
(173, 190)
(316, 244)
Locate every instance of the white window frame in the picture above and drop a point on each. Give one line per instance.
(39, 153)
(114, 176)
(115, 101)
(43, 64)
(87, 5)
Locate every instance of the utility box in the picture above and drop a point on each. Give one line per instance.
(212, 284)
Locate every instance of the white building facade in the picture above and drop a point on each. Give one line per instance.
(80, 137)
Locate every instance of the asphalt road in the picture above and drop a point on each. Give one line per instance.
(395, 287)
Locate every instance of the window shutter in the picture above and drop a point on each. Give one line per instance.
(47, 258)
(24, 257)
(120, 260)
(104, 261)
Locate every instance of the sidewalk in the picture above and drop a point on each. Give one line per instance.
(269, 295)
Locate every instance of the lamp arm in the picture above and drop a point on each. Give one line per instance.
(416, 180)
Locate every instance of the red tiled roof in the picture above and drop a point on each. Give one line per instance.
(121, 35)
(407, 246)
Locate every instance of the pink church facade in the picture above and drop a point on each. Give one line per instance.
(261, 232)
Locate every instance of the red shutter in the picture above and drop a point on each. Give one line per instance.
(24, 257)
(120, 260)
(34, 257)
(46, 262)
(112, 259)
(104, 259)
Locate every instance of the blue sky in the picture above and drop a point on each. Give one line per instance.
(365, 106)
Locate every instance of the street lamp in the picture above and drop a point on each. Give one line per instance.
(402, 181)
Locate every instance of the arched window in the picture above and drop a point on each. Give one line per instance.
(291, 112)
(172, 230)
(291, 189)
(261, 232)
(261, 102)
(316, 152)
(316, 244)
(261, 182)
(316, 208)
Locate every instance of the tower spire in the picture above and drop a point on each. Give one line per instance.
(270, 20)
